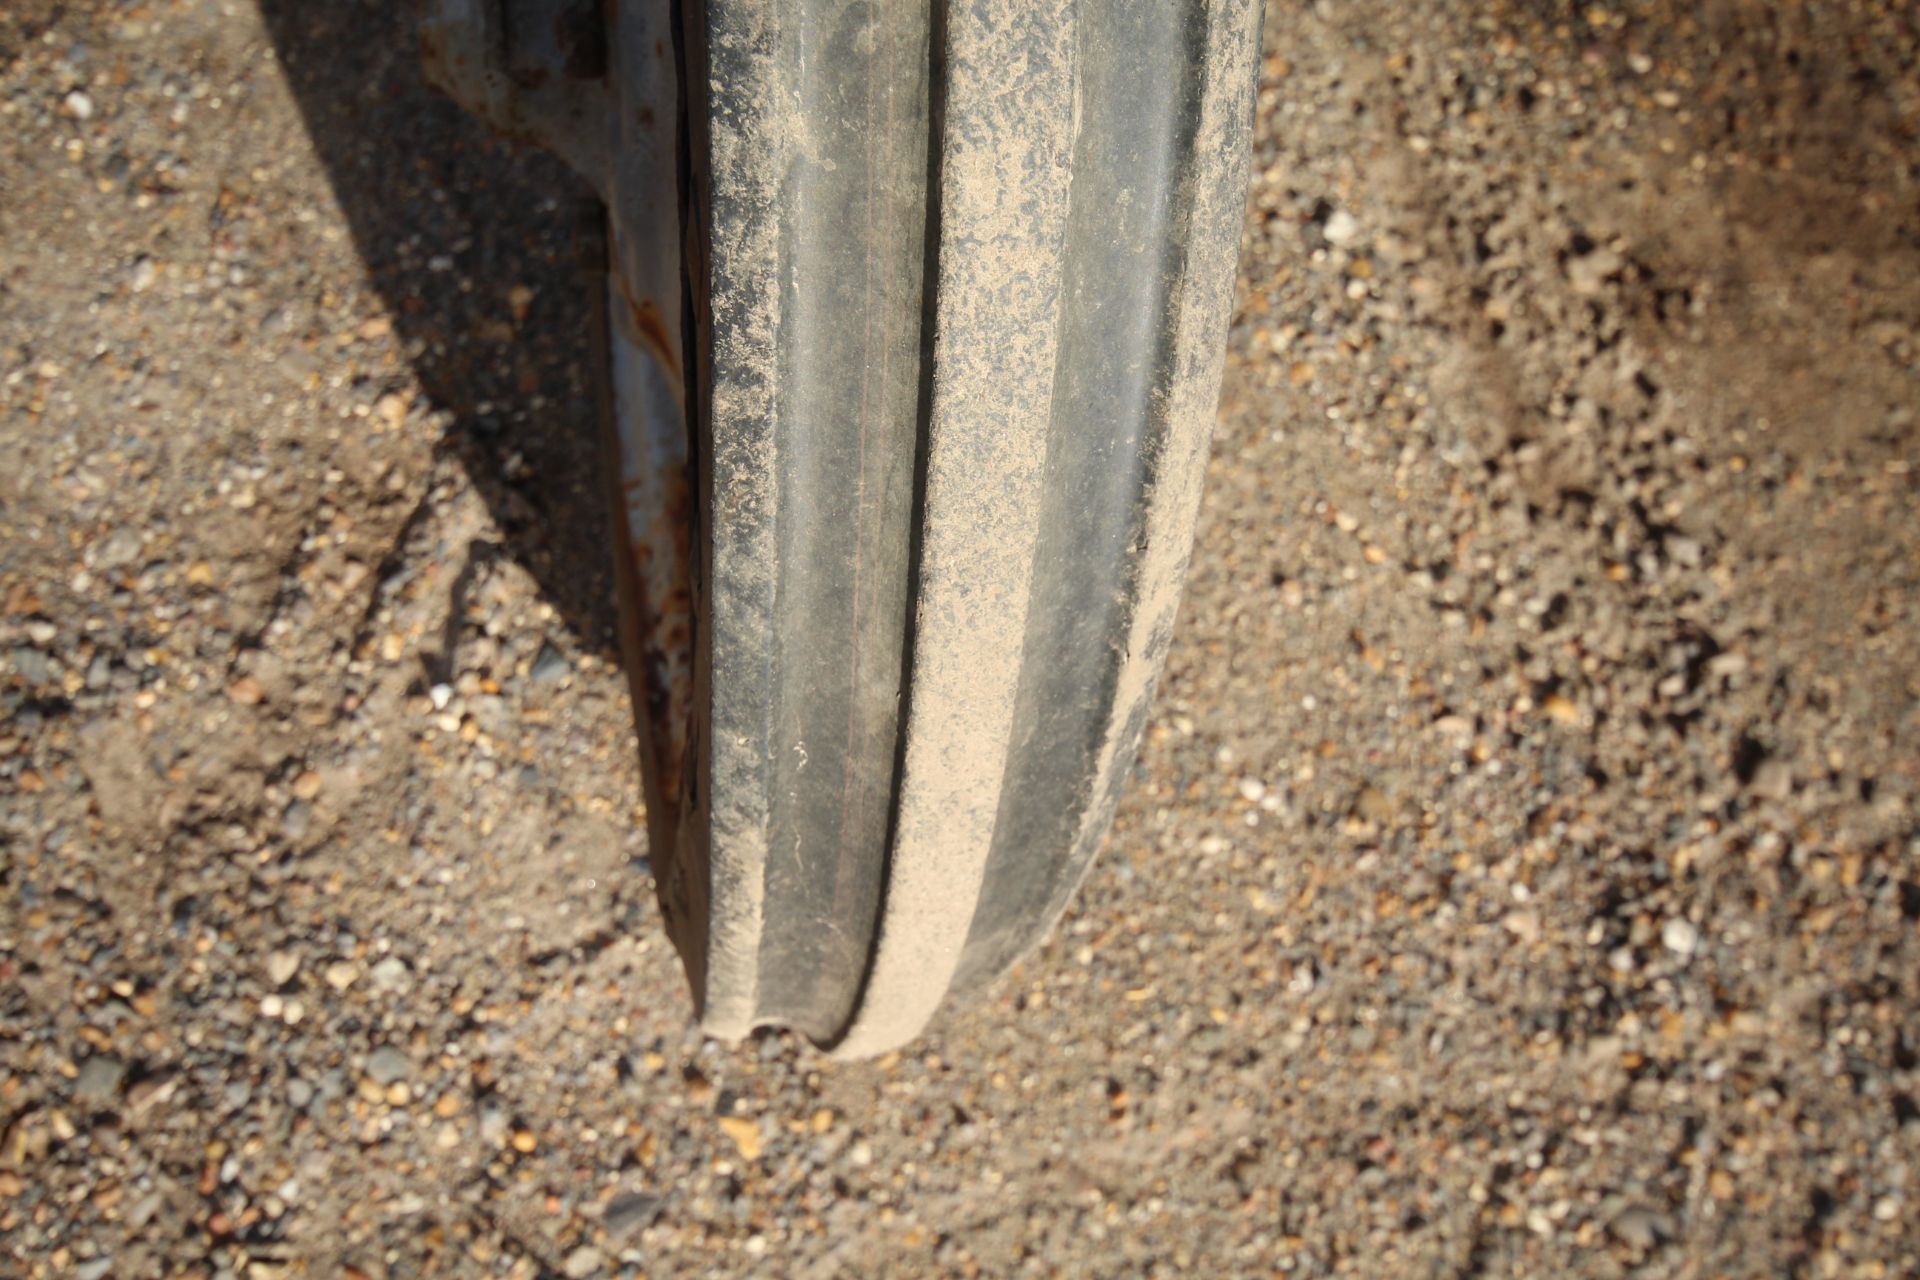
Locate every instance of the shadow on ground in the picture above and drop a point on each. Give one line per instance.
(473, 244)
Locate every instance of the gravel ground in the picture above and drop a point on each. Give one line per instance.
(1523, 872)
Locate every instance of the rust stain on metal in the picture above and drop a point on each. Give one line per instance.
(657, 496)
(649, 330)
(646, 318)
(660, 559)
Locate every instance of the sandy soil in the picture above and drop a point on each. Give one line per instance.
(1522, 876)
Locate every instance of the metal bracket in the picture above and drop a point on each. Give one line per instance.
(598, 85)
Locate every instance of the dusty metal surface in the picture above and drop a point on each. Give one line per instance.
(597, 85)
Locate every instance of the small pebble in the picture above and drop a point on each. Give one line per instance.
(392, 408)
(390, 974)
(745, 1132)
(548, 665)
(1773, 780)
(143, 1209)
(120, 549)
(99, 1080)
(281, 966)
(629, 1211)
(1341, 228)
(387, 1064)
(1372, 806)
(1640, 1228)
(1679, 936)
(32, 665)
